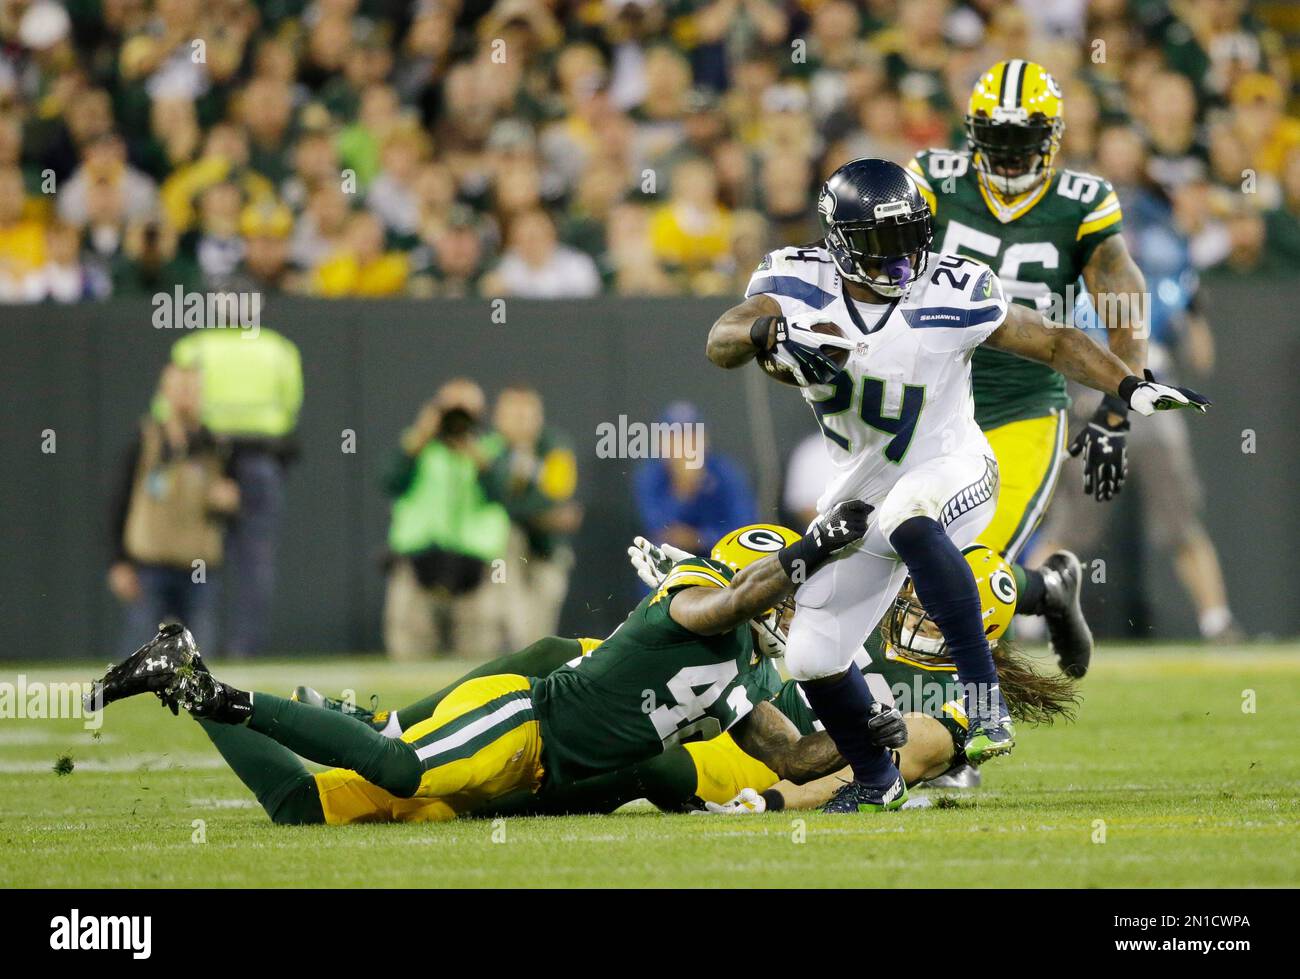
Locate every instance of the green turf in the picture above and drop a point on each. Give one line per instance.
(1191, 791)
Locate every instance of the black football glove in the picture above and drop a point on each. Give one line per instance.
(834, 530)
(840, 526)
(799, 348)
(1104, 447)
(887, 727)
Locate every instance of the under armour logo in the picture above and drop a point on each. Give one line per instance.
(152, 663)
(838, 529)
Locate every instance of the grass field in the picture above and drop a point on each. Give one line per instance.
(1184, 787)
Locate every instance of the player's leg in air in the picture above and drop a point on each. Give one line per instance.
(482, 740)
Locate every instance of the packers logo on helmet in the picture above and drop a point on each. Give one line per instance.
(741, 548)
(745, 545)
(1014, 125)
(909, 628)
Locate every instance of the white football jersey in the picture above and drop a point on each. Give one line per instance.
(904, 397)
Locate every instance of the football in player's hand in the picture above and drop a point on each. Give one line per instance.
(780, 372)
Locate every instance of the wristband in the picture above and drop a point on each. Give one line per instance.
(761, 331)
(804, 555)
(775, 800)
(1127, 387)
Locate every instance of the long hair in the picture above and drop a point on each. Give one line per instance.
(1032, 696)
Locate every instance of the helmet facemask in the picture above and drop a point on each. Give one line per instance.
(907, 627)
(1023, 147)
(886, 256)
(772, 628)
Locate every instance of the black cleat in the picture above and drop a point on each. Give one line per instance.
(152, 668)
(203, 695)
(859, 797)
(1068, 629)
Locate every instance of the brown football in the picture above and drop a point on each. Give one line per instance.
(779, 372)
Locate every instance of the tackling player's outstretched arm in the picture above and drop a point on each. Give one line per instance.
(731, 342)
(1068, 351)
(771, 737)
(761, 585)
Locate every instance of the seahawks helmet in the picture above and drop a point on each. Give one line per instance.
(741, 548)
(878, 226)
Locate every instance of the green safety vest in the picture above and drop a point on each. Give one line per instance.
(252, 383)
(445, 506)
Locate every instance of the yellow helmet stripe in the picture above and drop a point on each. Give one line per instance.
(694, 575)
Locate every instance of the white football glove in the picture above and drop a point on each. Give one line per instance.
(652, 562)
(744, 804)
(1148, 396)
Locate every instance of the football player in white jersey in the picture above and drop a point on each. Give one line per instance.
(899, 423)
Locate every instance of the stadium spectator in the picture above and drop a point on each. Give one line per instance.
(533, 474)
(105, 163)
(361, 266)
(22, 239)
(691, 232)
(536, 266)
(252, 393)
(690, 496)
(173, 495)
(443, 533)
(521, 105)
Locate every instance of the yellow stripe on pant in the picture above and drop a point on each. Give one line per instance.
(722, 769)
(482, 742)
(1029, 455)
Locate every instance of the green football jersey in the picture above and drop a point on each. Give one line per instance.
(1038, 252)
(913, 687)
(651, 685)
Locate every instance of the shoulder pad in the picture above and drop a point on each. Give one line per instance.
(806, 274)
(956, 292)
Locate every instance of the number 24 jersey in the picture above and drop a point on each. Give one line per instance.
(904, 397)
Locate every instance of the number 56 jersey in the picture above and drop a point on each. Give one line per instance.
(904, 397)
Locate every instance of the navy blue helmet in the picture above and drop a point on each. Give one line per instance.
(878, 226)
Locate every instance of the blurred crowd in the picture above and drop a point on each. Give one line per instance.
(563, 148)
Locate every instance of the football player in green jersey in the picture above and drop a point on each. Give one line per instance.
(689, 660)
(1004, 201)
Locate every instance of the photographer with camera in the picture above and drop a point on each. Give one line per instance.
(444, 533)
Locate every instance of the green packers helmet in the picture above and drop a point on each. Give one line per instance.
(741, 548)
(909, 629)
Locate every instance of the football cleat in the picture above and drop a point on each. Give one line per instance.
(990, 734)
(1066, 627)
(314, 698)
(150, 669)
(203, 695)
(860, 797)
(962, 775)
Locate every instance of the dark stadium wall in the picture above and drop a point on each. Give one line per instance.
(87, 373)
